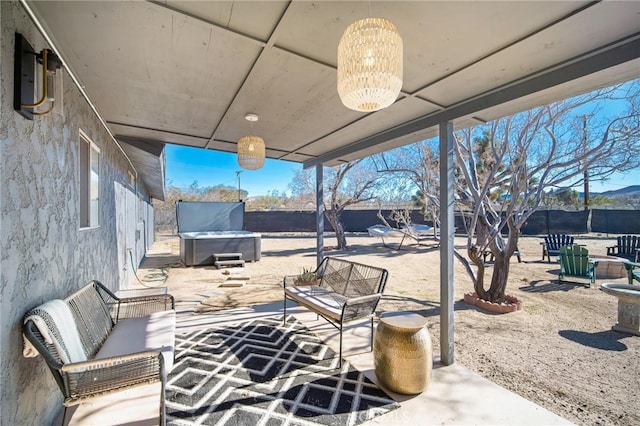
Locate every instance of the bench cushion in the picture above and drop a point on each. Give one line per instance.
(318, 299)
(155, 332)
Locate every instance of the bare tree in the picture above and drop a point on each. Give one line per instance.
(506, 166)
(345, 185)
(416, 164)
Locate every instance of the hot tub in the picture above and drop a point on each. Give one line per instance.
(197, 248)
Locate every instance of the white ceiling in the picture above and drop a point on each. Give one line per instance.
(187, 72)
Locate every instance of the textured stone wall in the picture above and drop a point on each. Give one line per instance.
(44, 253)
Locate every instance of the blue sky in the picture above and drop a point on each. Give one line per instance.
(211, 168)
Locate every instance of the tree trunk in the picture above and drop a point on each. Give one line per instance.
(502, 251)
(499, 277)
(334, 219)
(340, 236)
(478, 285)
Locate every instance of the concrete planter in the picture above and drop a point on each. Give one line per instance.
(514, 304)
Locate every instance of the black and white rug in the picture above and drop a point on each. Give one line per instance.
(262, 372)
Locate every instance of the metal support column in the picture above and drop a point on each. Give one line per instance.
(319, 213)
(447, 233)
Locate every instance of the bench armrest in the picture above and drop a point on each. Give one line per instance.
(363, 299)
(90, 379)
(360, 307)
(289, 280)
(140, 306)
(133, 307)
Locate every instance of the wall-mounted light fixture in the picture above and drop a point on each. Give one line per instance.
(251, 150)
(36, 80)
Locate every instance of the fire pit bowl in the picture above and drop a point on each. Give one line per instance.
(628, 306)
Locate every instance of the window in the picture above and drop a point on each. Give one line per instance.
(89, 183)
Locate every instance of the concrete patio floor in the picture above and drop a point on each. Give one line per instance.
(455, 394)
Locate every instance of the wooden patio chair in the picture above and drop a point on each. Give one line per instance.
(627, 247)
(552, 244)
(574, 262)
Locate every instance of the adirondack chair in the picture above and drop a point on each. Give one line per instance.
(628, 247)
(553, 242)
(574, 262)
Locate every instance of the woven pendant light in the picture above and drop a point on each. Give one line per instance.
(370, 65)
(251, 151)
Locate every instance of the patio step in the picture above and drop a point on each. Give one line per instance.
(228, 259)
(233, 283)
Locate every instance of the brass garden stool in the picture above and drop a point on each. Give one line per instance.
(402, 352)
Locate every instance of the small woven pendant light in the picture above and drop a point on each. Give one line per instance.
(370, 65)
(251, 151)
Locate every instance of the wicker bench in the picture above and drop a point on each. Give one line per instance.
(96, 343)
(343, 292)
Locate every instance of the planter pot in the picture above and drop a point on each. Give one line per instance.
(514, 304)
(300, 282)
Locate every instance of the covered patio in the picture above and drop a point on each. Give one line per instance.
(513, 350)
(188, 73)
(451, 398)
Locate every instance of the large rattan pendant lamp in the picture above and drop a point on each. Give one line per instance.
(251, 148)
(370, 65)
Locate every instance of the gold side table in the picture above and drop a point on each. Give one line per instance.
(402, 352)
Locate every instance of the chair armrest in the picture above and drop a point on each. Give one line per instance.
(134, 307)
(633, 275)
(631, 265)
(89, 379)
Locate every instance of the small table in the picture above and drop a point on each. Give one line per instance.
(402, 352)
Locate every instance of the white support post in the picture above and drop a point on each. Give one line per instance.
(447, 233)
(319, 213)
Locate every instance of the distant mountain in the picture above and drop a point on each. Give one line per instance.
(628, 191)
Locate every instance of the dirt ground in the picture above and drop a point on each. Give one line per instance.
(558, 352)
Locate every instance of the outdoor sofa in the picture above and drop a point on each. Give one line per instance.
(96, 343)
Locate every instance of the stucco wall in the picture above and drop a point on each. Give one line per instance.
(44, 253)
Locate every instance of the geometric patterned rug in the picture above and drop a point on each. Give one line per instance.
(260, 372)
